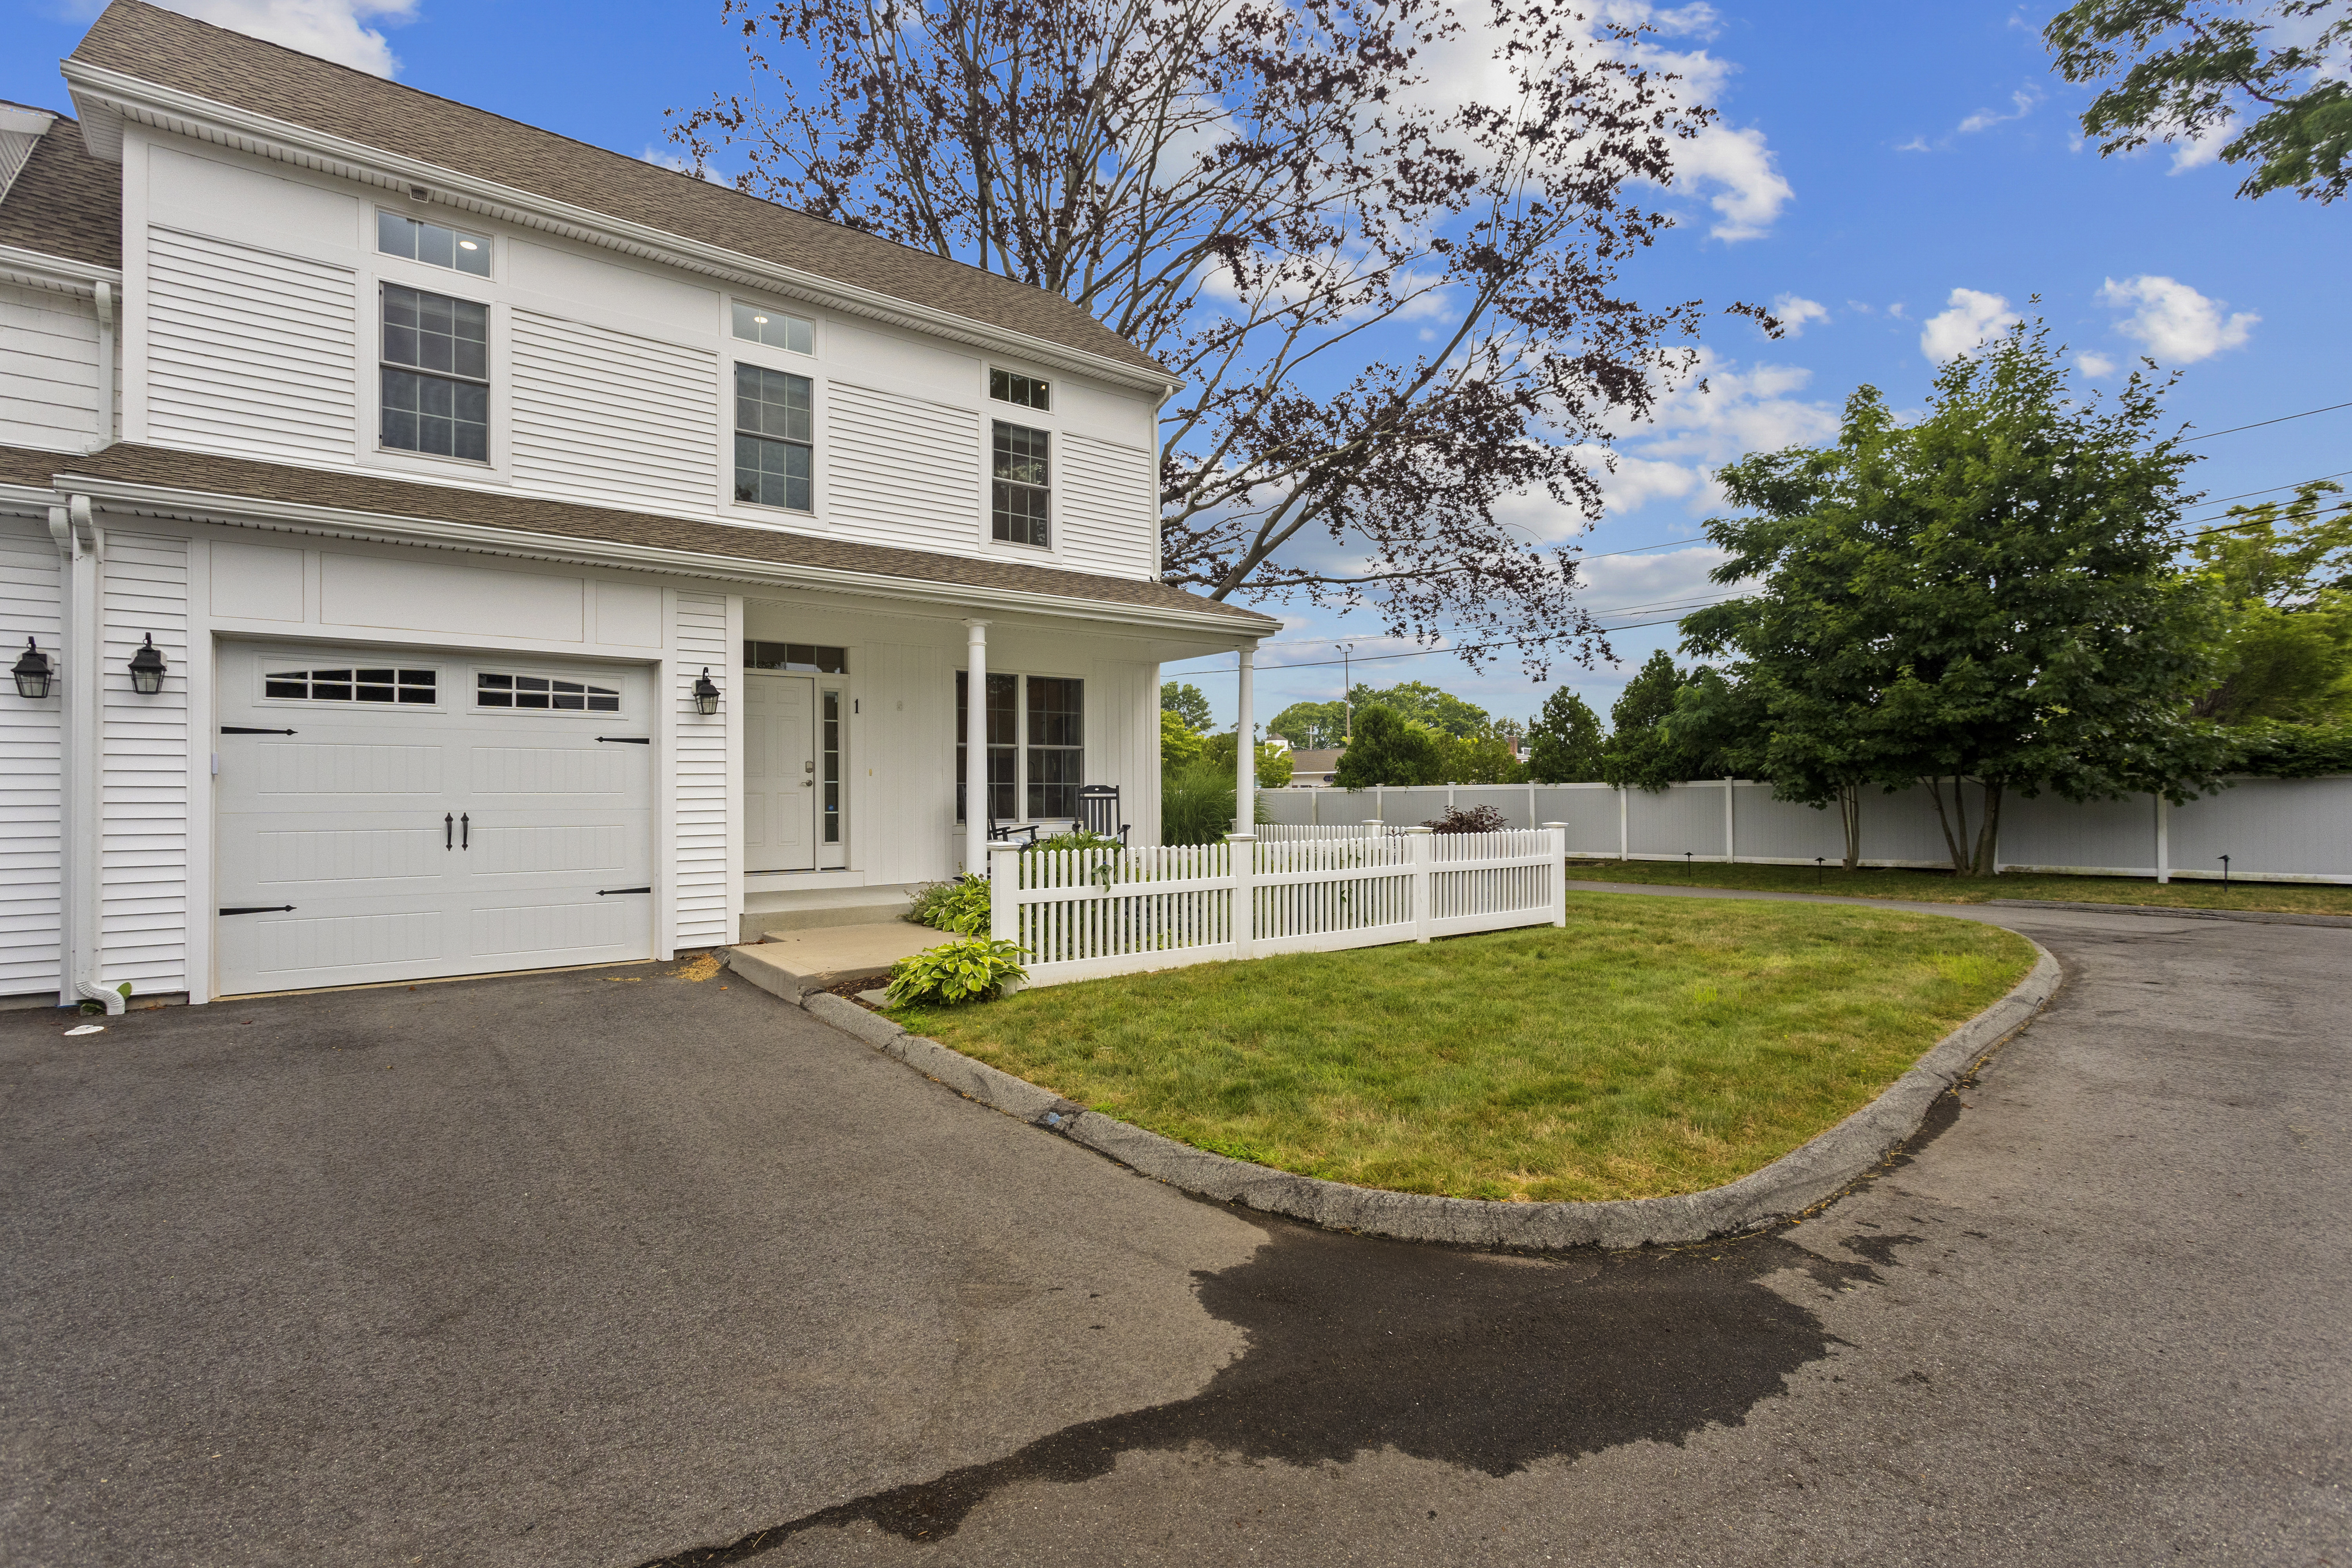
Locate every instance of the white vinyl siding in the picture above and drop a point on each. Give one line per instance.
(30, 798)
(48, 369)
(605, 417)
(1107, 506)
(249, 351)
(144, 871)
(899, 471)
(705, 917)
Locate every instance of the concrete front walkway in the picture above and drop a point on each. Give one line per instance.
(789, 962)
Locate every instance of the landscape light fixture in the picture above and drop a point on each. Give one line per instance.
(33, 672)
(706, 695)
(147, 668)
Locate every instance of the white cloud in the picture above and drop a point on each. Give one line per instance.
(1972, 316)
(2179, 325)
(329, 29)
(2022, 104)
(1747, 190)
(2196, 151)
(2095, 363)
(1651, 586)
(1793, 312)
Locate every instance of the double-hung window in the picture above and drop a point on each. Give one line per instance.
(437, 374)
(1022, 499)
(774, 429)
(1036, 745)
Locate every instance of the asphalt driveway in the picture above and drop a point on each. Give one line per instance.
(586, 1269)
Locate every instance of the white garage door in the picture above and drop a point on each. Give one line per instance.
(399, 815)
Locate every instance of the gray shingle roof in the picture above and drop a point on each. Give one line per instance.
(176, 51)
(231, 478)
(64, 202)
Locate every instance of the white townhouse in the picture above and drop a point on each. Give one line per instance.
(432, 546)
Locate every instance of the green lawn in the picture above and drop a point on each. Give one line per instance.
(1943, 888)
(1650, 1047)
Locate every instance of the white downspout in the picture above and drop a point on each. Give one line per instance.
(81, 814)
(105, 367)
(1245, 750)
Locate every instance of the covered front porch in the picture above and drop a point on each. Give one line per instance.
(857, 754)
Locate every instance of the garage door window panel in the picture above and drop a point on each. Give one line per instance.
(372, 683)
(542, 694)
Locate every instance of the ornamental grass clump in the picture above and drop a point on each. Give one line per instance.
(973, 969)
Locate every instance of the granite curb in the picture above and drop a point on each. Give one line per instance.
(1797, 1181)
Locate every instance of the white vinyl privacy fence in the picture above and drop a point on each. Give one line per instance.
(2277, 830)
(1081, 913)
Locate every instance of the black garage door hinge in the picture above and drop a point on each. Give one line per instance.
(257, 908)
(606, 892)
(250, 730)
(612, 740)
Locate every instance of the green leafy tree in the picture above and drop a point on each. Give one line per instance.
(1388, 750)
(2192, 68)
(1484, 759)
(1273, 767)
(1432, 709)
(1987, 595)
(1565, 742)
(1643, 749)
(1180, 744)
(2285, 648)
(1311, 726)
(1185, 700)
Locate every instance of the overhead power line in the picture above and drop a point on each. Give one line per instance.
(2260, 422)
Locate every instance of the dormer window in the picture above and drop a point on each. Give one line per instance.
(759, 324)
(1028, 391)
(412, 239)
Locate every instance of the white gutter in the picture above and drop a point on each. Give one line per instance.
(153, 103)
(58, 273)
(392, 528)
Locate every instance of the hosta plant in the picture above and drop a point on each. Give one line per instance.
(958, 905)
(971, 969)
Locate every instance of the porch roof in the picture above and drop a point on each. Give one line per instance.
(161, 477)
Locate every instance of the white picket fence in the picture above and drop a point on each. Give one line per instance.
(1078, 914)
(2273, 830)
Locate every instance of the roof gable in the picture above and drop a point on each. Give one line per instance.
(191, 56)
(64, 202)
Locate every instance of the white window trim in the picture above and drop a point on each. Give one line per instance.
(729, 430)
(431, 280)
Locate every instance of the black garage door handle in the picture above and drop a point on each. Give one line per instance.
(626, 740)
(250, 730)
(607, 893)
(257, 909)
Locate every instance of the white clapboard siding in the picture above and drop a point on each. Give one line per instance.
(1106, 507)
(247, 350)
(704, 918)
(144, 871)
(900, 470)
(608, 417)
(48, 369)
(29, 800)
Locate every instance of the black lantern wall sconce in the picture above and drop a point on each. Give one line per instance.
(33, 672)
(706, 695)
(147, 668)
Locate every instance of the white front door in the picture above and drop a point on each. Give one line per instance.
(396, 815)
(779, 771)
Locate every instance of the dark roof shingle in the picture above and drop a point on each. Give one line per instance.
(231, 478)
(64, 202)
(176, 51)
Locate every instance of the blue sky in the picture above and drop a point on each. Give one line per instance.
(1913, 172)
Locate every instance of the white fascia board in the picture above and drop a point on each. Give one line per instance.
(205, 506)
(101, 94)
(59, 274)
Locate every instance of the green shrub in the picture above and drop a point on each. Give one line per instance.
(971, 969)
(1078, 838)
(958, 905)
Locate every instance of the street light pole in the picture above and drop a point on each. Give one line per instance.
(1347, 692)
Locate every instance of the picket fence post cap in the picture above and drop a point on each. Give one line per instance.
(1241, 837)
(1005, 848)
(1551, 824)
(1421, 830)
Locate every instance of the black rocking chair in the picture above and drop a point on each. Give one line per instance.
(1002, 832)
(1098, 812)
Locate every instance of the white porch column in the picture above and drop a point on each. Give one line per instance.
(1246, 765)
(975, 749)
